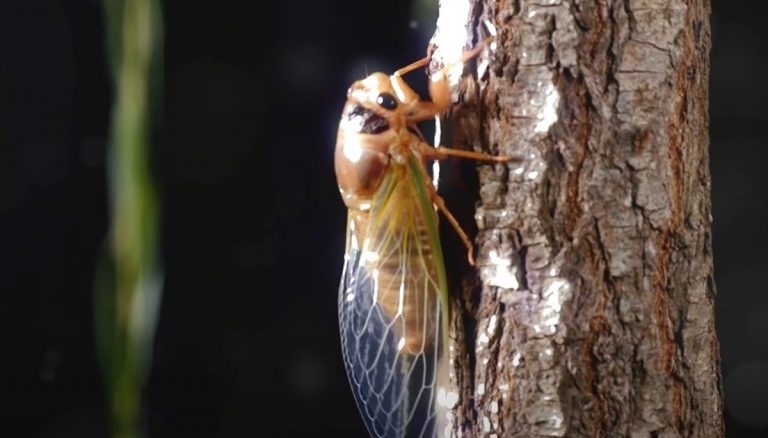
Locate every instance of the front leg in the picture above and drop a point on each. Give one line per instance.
(439, 87)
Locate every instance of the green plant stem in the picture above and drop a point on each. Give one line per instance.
(126, 322)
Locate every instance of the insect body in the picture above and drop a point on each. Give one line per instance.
(393, 297)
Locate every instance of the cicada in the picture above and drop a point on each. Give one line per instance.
(393, 298)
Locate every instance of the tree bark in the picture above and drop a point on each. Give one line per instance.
(594, 316)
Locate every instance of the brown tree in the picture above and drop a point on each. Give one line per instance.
(593, 313)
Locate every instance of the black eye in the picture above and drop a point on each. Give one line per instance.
(387, 101)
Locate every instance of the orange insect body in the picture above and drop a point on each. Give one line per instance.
(393, 299)
(373, 140)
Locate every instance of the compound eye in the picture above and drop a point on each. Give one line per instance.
(387, 101)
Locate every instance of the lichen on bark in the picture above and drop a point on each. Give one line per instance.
(594, 314)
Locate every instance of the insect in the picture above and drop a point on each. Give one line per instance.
(393, 298)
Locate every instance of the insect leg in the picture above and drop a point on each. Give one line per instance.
(412, 66)
(424, 61)
(440, 203)
(439, 87)
(442, 152)
(404, 92)
(438, 200)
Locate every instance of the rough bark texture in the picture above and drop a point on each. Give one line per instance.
(595, 314)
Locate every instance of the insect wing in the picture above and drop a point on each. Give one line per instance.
(390, 315)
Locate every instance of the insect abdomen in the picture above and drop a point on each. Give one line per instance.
(409, 300)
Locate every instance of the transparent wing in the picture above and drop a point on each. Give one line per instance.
(390, 313)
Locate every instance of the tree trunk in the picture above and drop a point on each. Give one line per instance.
(595, 315)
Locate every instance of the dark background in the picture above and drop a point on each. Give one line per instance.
(247, 343)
